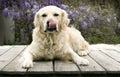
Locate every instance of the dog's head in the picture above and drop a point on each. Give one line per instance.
(51, 19)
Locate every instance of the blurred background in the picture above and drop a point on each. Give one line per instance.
(98, 20)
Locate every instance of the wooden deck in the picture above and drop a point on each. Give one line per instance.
(104, 61)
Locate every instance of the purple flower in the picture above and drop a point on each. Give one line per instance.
(95, 15)
(71, 13)
(21, 4)
(29, 17)
(27, 5)
(91, 19)
(5, 12)
(84, 25)
(21, 13)
(32, 2)
(17, 15)
(10, 14)
(21, 1)
(64, 6)
(52, 2)
(35, 6)
(77, 12)
(82, 8)
(35, 9)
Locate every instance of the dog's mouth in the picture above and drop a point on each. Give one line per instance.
(51, 26)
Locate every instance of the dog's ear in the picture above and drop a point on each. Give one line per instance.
(36, 20)
(65, 19)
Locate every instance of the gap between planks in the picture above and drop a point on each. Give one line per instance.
(105, 61)
(10, 56)
(4, 49)
(57, 66)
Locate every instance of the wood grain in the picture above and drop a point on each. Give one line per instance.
(105, 61)
(15, 64)
(4, 49)
(112, 54)
(10, 55)
(65, 66)
(92, 67)
(42, 67)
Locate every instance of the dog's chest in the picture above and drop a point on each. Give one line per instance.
(53, 48)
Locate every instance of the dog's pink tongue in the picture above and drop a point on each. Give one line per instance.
(52, 24)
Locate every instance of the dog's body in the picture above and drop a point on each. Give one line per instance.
(53, 39)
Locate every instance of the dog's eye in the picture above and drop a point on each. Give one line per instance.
(44, 15)
(56, 14)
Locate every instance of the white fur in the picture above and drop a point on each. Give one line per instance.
(66, 43)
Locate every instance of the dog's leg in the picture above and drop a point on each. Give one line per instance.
(83, 52)
(27, 59)
(77, 59)
(83, 49)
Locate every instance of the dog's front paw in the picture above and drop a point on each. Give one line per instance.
(27, 64)
(82, 53)
(83, 62)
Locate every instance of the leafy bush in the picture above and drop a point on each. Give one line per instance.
(97, 24)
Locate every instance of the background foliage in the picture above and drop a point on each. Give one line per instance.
(98, 20)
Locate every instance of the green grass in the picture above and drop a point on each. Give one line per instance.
(108, 40)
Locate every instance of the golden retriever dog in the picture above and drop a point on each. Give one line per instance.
(52, 38)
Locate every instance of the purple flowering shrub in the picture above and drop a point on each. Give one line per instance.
(22, 12)
(95, 24)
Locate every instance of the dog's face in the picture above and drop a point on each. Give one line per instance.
(51, 19)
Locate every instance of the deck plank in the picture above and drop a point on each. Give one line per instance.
(4, 49)
(112, 54)
(15, 65)
(41, 67)
(10, 55)
(117, 48)
(92, 67)
(65, 66)
(105, 61)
